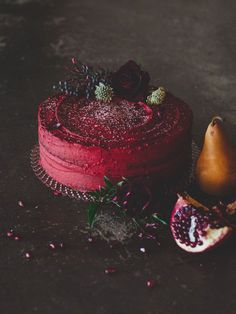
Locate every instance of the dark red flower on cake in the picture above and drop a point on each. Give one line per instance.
(130, 81)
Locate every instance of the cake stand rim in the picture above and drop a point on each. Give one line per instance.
(64, 190)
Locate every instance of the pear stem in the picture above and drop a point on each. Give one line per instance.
(216, 119)
(184, 195)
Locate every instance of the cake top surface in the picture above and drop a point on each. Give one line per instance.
(119, 116)
(119, 124)
(113, 109)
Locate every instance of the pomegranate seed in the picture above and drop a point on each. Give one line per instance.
(61, 245)
(74, 60)
(55, 245)
(152, 225)
(142, 249)
(21, 204)
(128, 194)
(110, 270)
(17, 238)
(150, 237)
(10, 234)
(90, 240)
(151, 283)
(52, 246)
(28, 255)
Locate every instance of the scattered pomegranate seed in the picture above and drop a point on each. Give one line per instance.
(128, 194)
(17, 238)
(21, 204)
(10, 234)
(90, 240)
(56, 245)
(110, 270)
(152, 225)
(151, 283)
(150, 237)
(28, 255)
(52, 246)
(74, 60)
(61, 245)
(142, 249)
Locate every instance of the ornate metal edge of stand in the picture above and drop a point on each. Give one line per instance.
(50, 182)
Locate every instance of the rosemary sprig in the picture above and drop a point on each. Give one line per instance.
(83, 80)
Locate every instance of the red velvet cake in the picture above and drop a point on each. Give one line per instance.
(82, 139)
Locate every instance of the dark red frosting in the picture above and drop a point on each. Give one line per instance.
(81, 141)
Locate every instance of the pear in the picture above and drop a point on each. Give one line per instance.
(216, 167)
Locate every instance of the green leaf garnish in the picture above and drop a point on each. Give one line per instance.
(157, 218)
(106, 195)
(103, 195)
(120, 183)
(108, 182)
(92, 210)
(94, 193)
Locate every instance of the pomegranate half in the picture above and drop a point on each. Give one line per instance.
(195, 227)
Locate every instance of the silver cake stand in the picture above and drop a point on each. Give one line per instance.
(62, 189)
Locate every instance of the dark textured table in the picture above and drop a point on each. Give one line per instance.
(187, 46)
